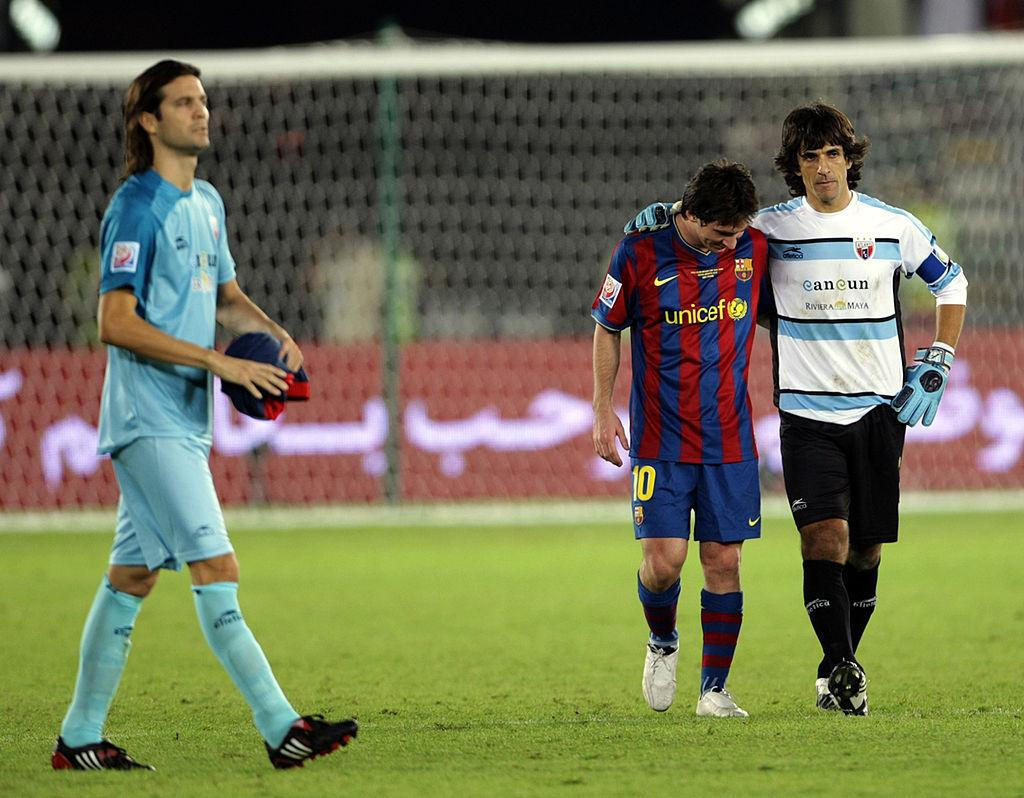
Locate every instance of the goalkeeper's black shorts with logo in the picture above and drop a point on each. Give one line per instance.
(848, 471)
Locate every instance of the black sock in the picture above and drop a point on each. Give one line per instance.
(860, 587)
(828, 607)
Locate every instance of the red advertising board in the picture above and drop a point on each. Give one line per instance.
(477, 420)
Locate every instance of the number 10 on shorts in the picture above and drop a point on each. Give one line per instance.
(643, 482)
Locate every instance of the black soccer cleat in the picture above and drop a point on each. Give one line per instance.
(311, 736)
(849, 684)
(103, 755)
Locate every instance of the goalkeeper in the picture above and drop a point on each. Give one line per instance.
(167, 278)
(844, 396)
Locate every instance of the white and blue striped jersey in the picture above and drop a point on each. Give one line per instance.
(836, 330)
(170, 249)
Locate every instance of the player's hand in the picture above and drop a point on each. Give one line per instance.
(919, 398)
(259, 379)
(290, 353)
(654, 217)
(608, 429)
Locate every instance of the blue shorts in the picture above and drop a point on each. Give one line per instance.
(725, 500)
(168, 513)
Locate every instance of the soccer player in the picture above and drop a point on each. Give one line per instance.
(167, 279)
(688, 293)
(844, 396)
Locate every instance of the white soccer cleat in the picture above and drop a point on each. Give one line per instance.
(718, 703)
(659, 682)
(825, 699)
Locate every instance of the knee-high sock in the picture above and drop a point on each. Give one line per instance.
(720, 617)
(243, 659)
(862, 587)
(660, 612)
(106, 639)
(828, 607)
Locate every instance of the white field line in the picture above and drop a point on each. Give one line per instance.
(543, 513)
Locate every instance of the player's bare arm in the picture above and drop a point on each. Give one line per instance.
(120, 325)
(241, 315)
(949, 322)
(607, 426)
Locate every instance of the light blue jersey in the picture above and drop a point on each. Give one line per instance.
(170, 249)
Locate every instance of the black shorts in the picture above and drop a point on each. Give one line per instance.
(848, 471)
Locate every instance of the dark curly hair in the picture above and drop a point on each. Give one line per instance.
(811, 127)
(145, 95)
(721, 192)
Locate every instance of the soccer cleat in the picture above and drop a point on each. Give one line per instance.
(659, 682)
(719, 703)
(103, 755)
(825, 699)
(311, 736)
(849, 685)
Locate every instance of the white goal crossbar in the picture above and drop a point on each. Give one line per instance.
(411, 59)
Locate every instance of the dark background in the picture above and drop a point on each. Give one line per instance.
(122, 25)
(115, 24)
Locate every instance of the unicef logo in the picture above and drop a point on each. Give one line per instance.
(737, 309)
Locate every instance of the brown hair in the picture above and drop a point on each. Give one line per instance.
(145, 95)
(721, 192)
(811, 127)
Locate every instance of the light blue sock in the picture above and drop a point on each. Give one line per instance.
(243, 659)
(106, 640)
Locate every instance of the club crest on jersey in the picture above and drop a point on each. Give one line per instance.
(610, 290)
(638, 515)
(865, 247)
(125, 257)
(744, 269)
(214, 227)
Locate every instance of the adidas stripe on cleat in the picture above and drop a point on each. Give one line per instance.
(103, 755)
(309, 737)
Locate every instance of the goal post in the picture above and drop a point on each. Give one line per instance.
(514, 168)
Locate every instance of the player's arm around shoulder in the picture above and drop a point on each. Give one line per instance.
(237, 312)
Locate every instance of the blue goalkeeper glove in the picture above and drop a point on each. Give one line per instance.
(918, 400)
(654, 217)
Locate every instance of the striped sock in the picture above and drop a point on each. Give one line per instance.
(720, 617)
(660, 611)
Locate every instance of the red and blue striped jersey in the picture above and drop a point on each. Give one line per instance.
(692, 318)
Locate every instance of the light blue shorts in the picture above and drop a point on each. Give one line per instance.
(168, 514)
(725, 500)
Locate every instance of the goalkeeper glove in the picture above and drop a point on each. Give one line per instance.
(918, 400)
(654, 217)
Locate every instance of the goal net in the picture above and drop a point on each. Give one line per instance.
(501, 176)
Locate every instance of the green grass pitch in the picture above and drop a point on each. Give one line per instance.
(506, 661)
